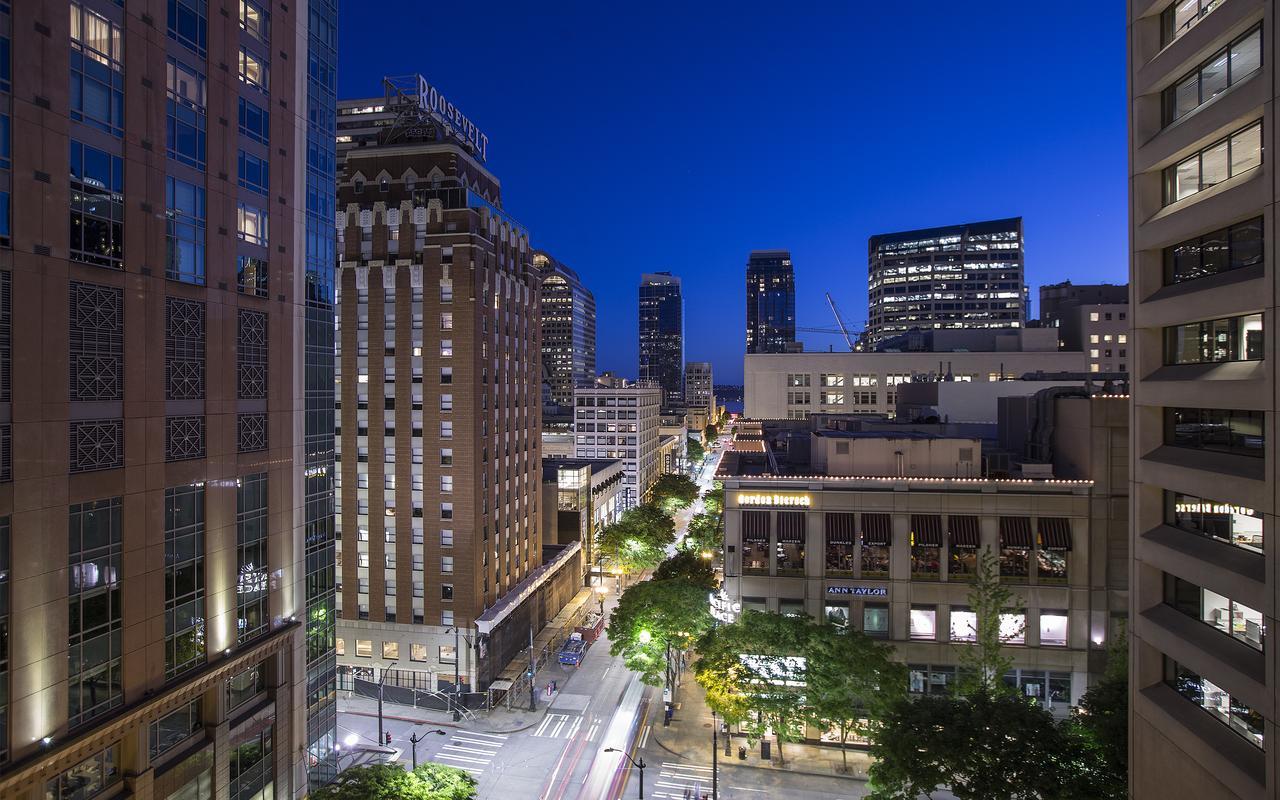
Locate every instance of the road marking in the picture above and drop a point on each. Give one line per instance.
(469, 750)
(746, 789)
(480, 742)
(591, 733)
(546, 720)
(644, 737)
(467, 759)
(573, 729)
(502, 737)
(560, 725)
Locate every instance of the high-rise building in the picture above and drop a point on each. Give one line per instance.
(699, 394)
(439, 445)
(621, 421)
(771, 301)
(662, 335)
(1056, 299)
(1202, 201)
(166, 399)
(958, 276)
(568, 329)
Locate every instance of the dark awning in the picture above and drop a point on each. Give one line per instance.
(926, 530)
(964, 531)
(755, 526)
(1015, 532)
(790, 526)
(840, 528)
(877, 530)
(1055, 533)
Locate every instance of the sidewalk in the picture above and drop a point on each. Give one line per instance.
(689, 738)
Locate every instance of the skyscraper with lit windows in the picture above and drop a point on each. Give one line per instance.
(662, 335)
(771, 301)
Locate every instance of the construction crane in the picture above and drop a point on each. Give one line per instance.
(844, 329)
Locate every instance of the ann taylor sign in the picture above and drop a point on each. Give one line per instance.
(860, 591)
(434, 102)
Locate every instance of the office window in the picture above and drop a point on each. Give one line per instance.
(446, 565)
(1053, 628)
(250, 764)
(97, 71)
(253, 70)
(251, 224)
(252, 275)
(448, 654)
(1238, 246)
(185, 227)
(184, 579)
(174, 728)
(97, 206)
(446, 511)
(446, 484)
(94, 776)
(417, 652)
(1226, 522)
(253, 616)
(446, 591)
(446, 429)
(95, 621)
(1226, 158)
(1235, 619)
(1216, 430)
(391, 651)
(186, 117)
(1215, 340)
(6, 603)
(1216, 701)
(254, 20)
(927, 679)
(923, 622)
(253, 173)
(964, 625)
(188, 23)
(1013, 627)
(446, 376)
(1228, 66)
(1181, 16)
(446, 348)
(255, 123)
(875, 620)
(446, 321)
(244, 686)
(364, 648)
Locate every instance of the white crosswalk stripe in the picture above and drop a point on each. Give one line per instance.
(559, 726)
(471, 750)
(679, 781)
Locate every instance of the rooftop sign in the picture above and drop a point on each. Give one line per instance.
(456, 123)
(773, 499)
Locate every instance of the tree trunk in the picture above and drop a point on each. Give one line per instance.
(844, 751)
(777, 738)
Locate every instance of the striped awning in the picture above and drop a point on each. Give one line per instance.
(840, 528)
(755, 526)
(790, 526)
(1015, 533)
(926, 530)
(877, 530)
(963, 530)
(1055, 533)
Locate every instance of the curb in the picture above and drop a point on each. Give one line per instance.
(750, 765)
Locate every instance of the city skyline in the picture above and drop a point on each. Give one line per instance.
(574, 151)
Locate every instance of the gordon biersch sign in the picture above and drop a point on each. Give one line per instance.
(433, 101)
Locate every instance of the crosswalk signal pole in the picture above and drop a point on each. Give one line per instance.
(533, 700)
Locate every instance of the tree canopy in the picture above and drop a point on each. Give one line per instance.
(696, 451)
(688, 565)
(1103, 718)
(672, 492)
(703, 534)
(638, 541)
(654, 615)
(713, 500)
(851, 681)
(985, 661)
(430, 781)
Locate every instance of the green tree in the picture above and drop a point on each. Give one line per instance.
(696, 451)
(703, 535)
(754, 672)
(430, 781)
(638, 541)
(712, 432)
(653, 621)
(852, 682)
(1103, 718)
(985, 661)
(672, 492)
(713, 500)
(688, 565)
(980, 746)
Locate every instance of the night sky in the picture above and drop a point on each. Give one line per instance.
(681, 136)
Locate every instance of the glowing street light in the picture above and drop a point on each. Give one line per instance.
(645, 636)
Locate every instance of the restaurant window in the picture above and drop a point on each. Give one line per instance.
(1226, 158)
(1013, 627)
(754, 603)
(876, 538)
(964, 625)
(926, 679)
(1053, 628)
(791, 542)
(962, 547)
(90, 778)
(1215, 341)
(1238, 246)
(755, 542)
(875, 620)
(1226, 522)
(1054, 544)
(790, 607)
(836, 613)
(1216, 701)
(1223, 69)
(1050, 688)
(1215, 430)
(923, 623)
(926, 547)
(1015, 547)
(1237, 620)
(840, 534)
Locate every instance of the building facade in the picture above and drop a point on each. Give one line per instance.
(771, 301)
(568, 329)
(579, 497)
(1102, 332)
(1057, 299)
(959, 276)
(699, 394)
(440, 416)
(662, 335)
(795, 385)
(165, 505)
(621, 422)
(1202, 206)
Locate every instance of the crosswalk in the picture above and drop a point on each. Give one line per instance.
(471, 750)
(566, 726)
(682, 781)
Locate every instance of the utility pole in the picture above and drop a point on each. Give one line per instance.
(457, 675)
(381, 678)
(715, 752)
(533, 700)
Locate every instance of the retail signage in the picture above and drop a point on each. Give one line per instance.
(1213, 508)
(434, 102)
(724, 608)
(860, 591)
(773, 499)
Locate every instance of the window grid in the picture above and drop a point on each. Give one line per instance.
(94, 617)
(252, 613)
(184, 579)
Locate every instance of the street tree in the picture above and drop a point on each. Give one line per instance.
(852, 681)
(1103, 719)
(688, 565)
(754, 673)
(430, 781)
(672, 492)
(638, 541)
(696, 451)
(712, 432)
(653, 621)
(985, 661)
(703, 535)
(713, 499)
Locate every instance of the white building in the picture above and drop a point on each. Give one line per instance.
(621, 422)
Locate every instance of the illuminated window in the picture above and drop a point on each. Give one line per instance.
(254, 19)
(1226, 158)
(364, 648)
(251, 224)
(253, 71)
(391, 651)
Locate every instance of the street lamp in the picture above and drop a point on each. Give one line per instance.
(715, 752)
(457, 672)
(382, 677)
(640, 765)
(601, 591)
(414, 738)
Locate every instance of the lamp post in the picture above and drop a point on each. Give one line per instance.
(382, 677)
(601, 591)
(715, 752)
(639, 765)
(414, 738)
(457, 673)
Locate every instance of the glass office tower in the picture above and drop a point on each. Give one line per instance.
(771, 301)
(662, 335)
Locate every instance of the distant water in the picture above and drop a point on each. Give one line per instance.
(732, 406)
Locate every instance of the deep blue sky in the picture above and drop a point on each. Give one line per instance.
(681, 136)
